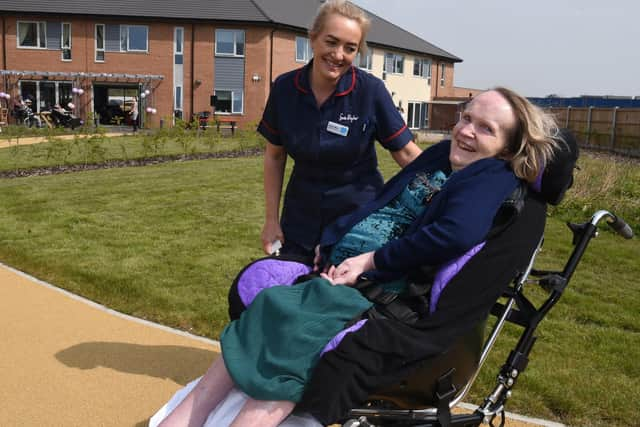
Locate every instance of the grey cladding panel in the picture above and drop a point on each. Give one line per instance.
(229, 73)
(54, 34)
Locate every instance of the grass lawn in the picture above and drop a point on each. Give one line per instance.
(164, 242)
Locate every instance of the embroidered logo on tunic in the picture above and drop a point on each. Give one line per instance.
(347, 118)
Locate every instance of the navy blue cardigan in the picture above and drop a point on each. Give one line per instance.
(458, 217)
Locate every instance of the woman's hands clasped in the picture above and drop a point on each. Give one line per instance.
(349, 270)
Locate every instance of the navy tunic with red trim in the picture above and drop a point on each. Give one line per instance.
(333, 173)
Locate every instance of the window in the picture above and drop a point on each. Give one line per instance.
(417, 117)
(394, 63)
(364, 60)
(442, 69)
(45, 94)
(304, 53)
(65, 42)
(178, 98)
(230, 42)
(179, 40)
(422, 68)
(134, 38)
(99, 42)
(32, 34)
(228, 101)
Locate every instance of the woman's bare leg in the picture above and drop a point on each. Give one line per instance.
(205, 396)
(263, 413)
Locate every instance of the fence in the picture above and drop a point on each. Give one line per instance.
(615, 130)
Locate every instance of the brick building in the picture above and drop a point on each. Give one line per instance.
(180, 58)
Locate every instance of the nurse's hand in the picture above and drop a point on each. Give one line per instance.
(270, 233)
(348, 272)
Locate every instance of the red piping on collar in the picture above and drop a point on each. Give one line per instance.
(269, 128)
(296, 81)
(353, 83)
(395, 134)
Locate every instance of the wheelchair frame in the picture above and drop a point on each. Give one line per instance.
(517, 309)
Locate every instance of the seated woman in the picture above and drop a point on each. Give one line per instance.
(438, 208)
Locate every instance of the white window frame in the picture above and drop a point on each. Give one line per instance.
(64, 47)
(36, 106)
(235, 42)
(41, 39)
(411, 119)
(368, 66)
(98, 49)
(397, 59)
(233, 100)
(178, 48)
(127, 48)
(179, 99)
(308, 52)
(424, 68)
(443, 68)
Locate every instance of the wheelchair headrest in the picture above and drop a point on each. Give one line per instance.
(557, 176)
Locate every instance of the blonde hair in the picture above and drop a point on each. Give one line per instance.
(343, 8)
(534, 139)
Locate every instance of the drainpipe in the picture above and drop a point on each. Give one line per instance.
(193, 84)
(4, 51)
(437, 82)
(271, 58)
(4, 43)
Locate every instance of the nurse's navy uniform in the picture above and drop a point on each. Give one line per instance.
(336, 168)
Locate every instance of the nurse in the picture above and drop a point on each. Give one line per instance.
(326, 116)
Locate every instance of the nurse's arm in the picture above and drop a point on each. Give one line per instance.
(406, 154)
(275, 159)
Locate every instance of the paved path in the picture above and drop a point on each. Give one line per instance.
(69, 362)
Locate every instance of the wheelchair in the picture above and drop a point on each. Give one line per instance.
(421, 386)
(443, 381)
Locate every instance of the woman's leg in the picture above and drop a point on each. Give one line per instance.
(205, 396)
(263, 413)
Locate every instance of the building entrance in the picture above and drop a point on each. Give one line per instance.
(112, 102)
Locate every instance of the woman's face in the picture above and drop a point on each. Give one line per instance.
(482, 131)
(335, 47)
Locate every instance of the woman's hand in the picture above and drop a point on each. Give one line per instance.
(350, 269)
(270, 233)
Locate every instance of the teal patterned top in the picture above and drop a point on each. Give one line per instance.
(389, 222)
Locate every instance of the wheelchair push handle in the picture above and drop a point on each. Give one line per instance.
(615, 222)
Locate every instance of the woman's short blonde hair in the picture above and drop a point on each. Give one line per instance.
(534, 139)
(343, 8)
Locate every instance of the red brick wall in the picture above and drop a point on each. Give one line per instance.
(284, 46)
(257, 59)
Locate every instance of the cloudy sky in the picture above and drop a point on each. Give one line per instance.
(537, 47)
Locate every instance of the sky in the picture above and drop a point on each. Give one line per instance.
(536, 47)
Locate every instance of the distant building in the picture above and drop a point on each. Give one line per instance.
(585, 101)
(183, 57)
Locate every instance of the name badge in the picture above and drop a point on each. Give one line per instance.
(337, 128)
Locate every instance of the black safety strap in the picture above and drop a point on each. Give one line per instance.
(405, 307)
(445, 391)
